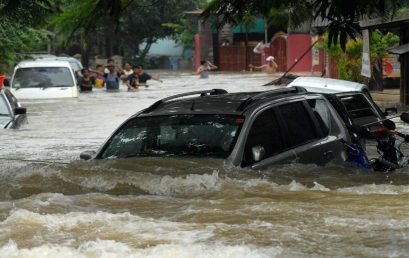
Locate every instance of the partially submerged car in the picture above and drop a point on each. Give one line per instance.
(252, 130)
(12, 115)
(75, 64)
(43, 80)
(328, 85)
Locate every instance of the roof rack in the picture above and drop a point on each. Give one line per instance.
(269, 94)
(202, 93)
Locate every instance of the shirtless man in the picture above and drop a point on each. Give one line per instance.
(270, 67)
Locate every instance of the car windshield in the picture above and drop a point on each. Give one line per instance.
(4, 111)
(74, 65)
(43, 77)
(179, 135)
(359, 109)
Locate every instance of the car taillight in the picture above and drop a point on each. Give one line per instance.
(240, 120)
(377, 131)
(2, 77)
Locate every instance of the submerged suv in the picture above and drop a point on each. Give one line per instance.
(252, 130)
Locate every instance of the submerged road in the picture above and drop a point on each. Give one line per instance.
(186, 208)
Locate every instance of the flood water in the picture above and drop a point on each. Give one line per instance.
(181, 208)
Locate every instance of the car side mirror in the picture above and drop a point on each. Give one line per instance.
(390, 111)
(6, 82)
(258, 153)
(87, 155)
(20, 111)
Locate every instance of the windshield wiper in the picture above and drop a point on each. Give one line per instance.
(62, 85)
(4, 114)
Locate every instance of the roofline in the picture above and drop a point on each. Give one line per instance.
(382, 23)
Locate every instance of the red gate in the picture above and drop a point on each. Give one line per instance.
(279, 51)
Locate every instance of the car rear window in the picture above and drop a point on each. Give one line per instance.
(179, 135)
(359, 109)
(43, 77)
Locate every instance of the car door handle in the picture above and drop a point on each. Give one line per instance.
(328, 153)
(63, 88)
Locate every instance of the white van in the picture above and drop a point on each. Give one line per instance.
(74, 63)
(43, 80)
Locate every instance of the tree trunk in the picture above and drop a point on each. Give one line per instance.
(145, 51)
(246, 43)
(85, 53)
(376, 83)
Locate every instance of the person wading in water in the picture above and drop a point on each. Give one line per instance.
(270, 67)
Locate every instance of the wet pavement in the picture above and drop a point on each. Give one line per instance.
(181, 207)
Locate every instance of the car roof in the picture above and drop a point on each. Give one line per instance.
(326, 85)
(223, 103)
(59, 58)
(43, 63)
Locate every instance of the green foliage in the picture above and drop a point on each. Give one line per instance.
(25, 12)
(350, 60)
(125, 23)
(19, 29)
(275, 12)
(183, 32)
(342, 15)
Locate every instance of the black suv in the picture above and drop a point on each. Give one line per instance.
(254, 130)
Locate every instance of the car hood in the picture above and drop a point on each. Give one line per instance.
(4, 121)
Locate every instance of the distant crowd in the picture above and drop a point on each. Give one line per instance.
(111, 76)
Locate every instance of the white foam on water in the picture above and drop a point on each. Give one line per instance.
(383, 189)
(319, 187)
(294, 186)
(190, 184)
(113, 249)
(368, 223)
(90, 225)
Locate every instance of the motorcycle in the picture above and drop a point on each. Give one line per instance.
(385, 134)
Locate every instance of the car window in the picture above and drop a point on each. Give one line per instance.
(179, 135)
(74, 65)
(322, 113)
(359, 109)
(298, 124)
(40, 77)
(264, 132)
(4, 110)
(12, 100)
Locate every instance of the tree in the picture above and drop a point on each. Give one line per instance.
(130, 22)
(21, 28)
(350, 60)
(342, 15)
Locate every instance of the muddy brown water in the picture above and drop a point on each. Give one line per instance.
(181, 207)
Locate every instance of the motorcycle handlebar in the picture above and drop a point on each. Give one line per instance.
(404, 136)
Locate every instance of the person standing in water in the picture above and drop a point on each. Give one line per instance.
(204, 69)
(112, 78)
(144, 77)
(126, 72)
(85, 82)
(132, 81)
(270, 67)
